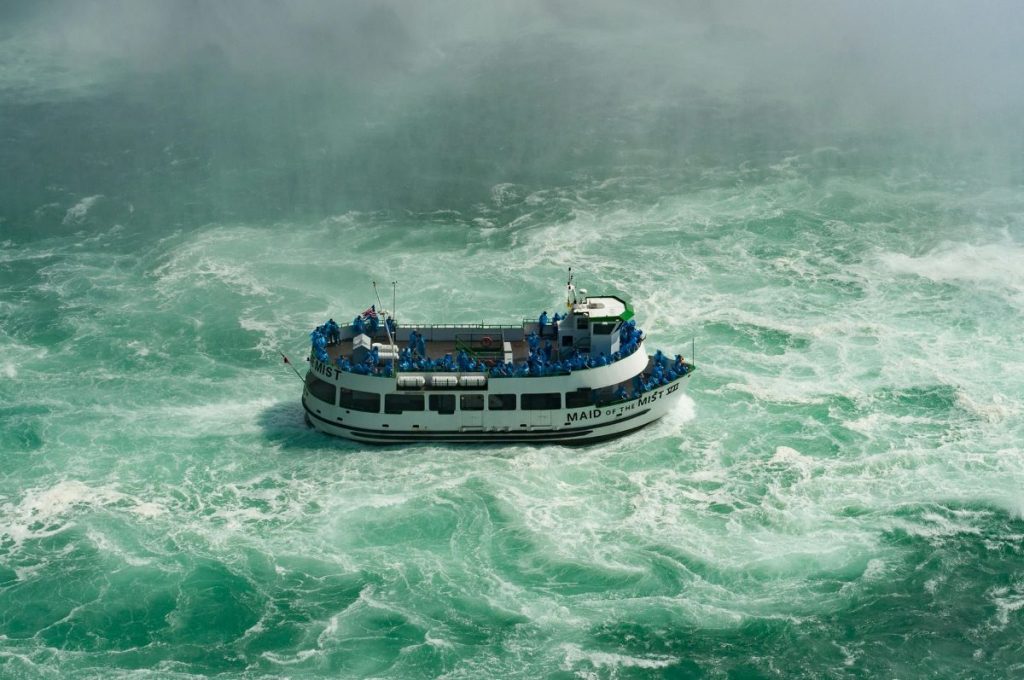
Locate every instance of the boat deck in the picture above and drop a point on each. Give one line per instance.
(436, 349)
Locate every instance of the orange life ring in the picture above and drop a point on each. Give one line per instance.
(485, 341)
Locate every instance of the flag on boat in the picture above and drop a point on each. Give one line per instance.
(370, 313)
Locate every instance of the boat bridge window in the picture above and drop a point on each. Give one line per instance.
(471, 402)
(578, 399)
(442, 403)
(501, 402)
(324, 391)
(542, 401)
(358, 400)
(602, 328)
(399, 403)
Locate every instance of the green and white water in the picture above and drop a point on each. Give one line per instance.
(828, 197)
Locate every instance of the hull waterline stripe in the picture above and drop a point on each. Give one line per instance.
(577, 441)
(459, 434)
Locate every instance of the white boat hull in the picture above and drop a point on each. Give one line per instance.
(520, 389)
(573, 426)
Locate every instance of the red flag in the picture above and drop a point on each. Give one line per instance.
(294, 370)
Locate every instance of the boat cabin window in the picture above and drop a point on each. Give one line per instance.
(471, 402)
(442, 403)
(602, 328)
(501, 402)
(357, 400)
(399, 403)
(581, 323)
(579, 398)
(566, 341)
(324, 391)
(542, 401)
(402, 402)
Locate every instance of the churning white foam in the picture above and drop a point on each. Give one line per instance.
(574, 655)
(77, 213)
(1008, 600)
(45, 512)
(214, 257)
(872, 423)
(683, 412)
(993, 263)
(202, 419)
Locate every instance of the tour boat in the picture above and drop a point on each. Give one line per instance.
(576, 379)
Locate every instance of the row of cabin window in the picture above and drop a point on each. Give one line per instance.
(369, 402)
(356, 400)
(445, 403)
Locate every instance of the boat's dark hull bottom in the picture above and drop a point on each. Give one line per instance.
(571, 436)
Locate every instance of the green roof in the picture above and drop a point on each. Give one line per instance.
(625, 316)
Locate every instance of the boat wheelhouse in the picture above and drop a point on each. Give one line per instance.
(577, 379)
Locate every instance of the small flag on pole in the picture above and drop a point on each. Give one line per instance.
(294, 370)
(370, 313)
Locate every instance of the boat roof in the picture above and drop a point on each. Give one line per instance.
(604, 308)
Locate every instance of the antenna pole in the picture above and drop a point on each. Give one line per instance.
(386, 329)
(294, 370)
(394, 313)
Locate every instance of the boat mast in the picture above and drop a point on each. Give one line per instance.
(387, 330)
(394, 312)
(569, 291)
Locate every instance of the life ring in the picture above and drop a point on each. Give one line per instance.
(486, 341)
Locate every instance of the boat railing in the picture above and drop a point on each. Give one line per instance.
(481, 325)
(449, 332)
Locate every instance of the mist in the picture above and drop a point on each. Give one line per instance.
(261, 110)
(819, 203)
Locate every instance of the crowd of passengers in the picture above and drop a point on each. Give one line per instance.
(543, 360)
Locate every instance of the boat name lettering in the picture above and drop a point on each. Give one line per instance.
(323, 369)
(590, 414)
(582, 415)
(645, 399)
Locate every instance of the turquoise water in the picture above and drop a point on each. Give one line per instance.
(186, 192)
